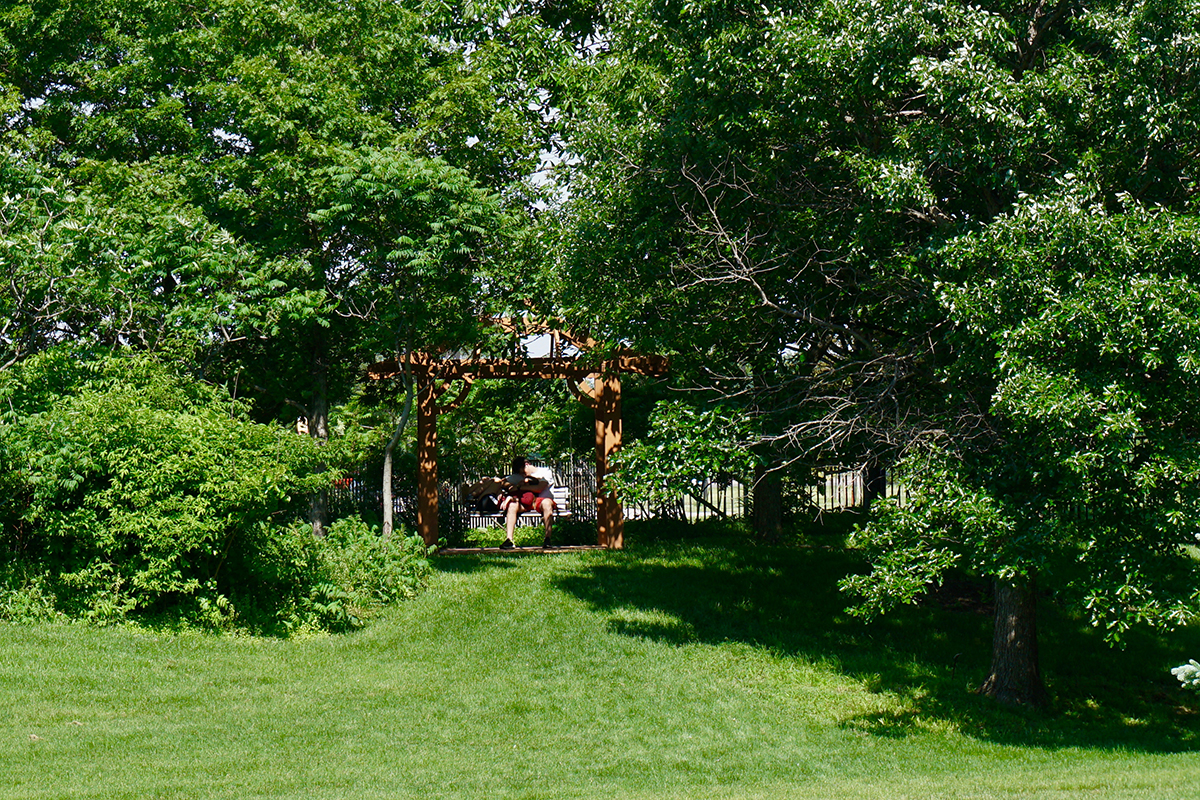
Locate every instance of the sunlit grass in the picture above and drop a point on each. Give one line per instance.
(707, 669)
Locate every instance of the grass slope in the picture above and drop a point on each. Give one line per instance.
(708, 669)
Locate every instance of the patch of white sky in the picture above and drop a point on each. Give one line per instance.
(536, 346)
(539, 346)
(546, 177)
(235, 140)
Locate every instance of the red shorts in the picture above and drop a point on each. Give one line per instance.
(529, 501)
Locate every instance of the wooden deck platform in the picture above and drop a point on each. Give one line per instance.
(518, 551)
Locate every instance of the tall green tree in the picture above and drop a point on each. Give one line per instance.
(1062, 458)
(762, 191)
(299, 186)
(750, 182)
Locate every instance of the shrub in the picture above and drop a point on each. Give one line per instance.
(132, 491)
(25, 597)
(129, 492)
(360, 572)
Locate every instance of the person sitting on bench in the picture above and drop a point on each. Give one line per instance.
(484, 495)
(527, 489)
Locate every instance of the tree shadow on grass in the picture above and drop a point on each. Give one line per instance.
(472, 563)
(785, 599)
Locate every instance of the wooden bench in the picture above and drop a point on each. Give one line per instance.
(562, 508)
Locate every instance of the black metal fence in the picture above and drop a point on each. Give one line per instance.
(361, 494)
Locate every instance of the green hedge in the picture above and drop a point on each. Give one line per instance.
(132, 492)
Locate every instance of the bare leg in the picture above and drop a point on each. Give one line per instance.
(510, 520)
(547, 519)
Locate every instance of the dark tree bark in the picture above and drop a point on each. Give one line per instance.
(768, 504)
(874, 483)
(1015, 677)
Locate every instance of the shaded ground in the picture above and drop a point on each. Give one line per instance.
(785, 599)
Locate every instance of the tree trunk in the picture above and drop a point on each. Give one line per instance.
(874, 483)
(318, 428)
(1015, 678)
(388, 505)
(768, 504)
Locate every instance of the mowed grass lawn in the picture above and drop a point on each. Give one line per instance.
(676, 669)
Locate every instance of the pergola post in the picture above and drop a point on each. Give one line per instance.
(427, 467)
(610, 520)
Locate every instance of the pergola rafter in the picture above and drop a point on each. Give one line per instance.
(596, 384)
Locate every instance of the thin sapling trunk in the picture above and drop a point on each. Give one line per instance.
(401, 424)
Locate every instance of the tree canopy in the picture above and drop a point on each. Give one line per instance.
(839, 215)
(291, 186)
(766, 175)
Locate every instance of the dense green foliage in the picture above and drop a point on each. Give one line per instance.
(832, 214)
(684, 450)
(134, 493)
(296, 188)
(753, 181)
(1068, 445)
(354, 572)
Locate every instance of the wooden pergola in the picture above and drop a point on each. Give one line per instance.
(596, 384)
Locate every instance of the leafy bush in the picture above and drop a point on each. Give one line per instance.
(358, 572)
(25, 597)
(685, 449)
(131, 490)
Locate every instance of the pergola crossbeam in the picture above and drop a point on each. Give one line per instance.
(519, 369)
